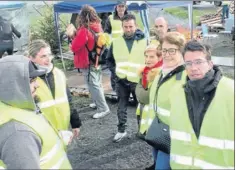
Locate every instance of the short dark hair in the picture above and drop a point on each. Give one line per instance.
(128, 17)
(195, 45)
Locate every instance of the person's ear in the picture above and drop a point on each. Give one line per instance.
(210, 64)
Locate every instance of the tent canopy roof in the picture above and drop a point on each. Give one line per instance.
(108, 6)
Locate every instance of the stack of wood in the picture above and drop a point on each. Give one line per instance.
(210, 19)
(231, 7)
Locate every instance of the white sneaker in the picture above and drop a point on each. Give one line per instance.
(119, 136)
(101, 114)
(93, 106)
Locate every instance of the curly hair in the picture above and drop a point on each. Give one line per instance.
(88, 14)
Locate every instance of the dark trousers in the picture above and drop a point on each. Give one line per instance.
(113, 81)
(8, 50)
(124, 90)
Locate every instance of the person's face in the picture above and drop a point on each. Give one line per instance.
(171, 55)
(121, 9)
(160, 28)
(151, 58)
(33, 86)
(196, 64)
(43, 57)
(129, 27)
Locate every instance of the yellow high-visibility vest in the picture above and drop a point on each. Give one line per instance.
(53, 155)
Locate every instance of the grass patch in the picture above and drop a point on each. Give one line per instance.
(69, 65)
(182, 12)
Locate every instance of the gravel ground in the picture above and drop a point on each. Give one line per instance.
(95, 149)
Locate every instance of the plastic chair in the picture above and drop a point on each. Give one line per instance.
(205, 33)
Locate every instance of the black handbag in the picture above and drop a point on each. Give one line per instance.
(158, 135)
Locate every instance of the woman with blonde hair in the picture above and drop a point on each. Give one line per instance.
(153, 63)
(172, 73)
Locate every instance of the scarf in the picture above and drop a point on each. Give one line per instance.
(146, 71)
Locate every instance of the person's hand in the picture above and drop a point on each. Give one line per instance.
(75, 132)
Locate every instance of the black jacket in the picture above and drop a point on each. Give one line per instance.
(110, 61)
(74, 118)
(199, 94)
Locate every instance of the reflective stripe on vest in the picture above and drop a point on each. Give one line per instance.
(189, 161)
(51, 153)
(50, 103)
(53, 150)
(128, 63)
(203, 140)
(182, 136)
(163, 111)
(56, 110)
(214, 148)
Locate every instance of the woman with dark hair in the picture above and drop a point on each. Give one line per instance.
(82, 45)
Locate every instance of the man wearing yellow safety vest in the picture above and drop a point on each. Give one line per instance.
(114, 27)
(202, 114)
(53, 95)
(27, 140)
(126, 55)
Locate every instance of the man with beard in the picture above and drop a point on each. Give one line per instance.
(126, 56)
(27, 140)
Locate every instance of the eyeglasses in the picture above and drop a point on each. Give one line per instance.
(171, 51)
(197, 63)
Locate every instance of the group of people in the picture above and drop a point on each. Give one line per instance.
(170, 79)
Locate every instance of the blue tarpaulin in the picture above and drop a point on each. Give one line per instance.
(108, 6)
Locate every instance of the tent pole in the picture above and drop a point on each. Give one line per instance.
(59, 40)
(190, 13)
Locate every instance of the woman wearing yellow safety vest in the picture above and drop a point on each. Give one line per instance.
(153, 62)
(54, 97)
(27, 140)
(171, 74)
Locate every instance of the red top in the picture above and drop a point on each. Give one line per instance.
(83, 37)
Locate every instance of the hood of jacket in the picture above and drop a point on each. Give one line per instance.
(96, 27)
(15, 89)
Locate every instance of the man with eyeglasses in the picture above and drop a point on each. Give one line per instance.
(202, 119)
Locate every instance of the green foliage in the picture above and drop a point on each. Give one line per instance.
(44, 28)
(183, 13)
(69, 65)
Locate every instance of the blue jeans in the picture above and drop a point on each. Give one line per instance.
(225, 12)
(93, 78)
(162, 159)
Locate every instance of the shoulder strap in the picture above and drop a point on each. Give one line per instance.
(179, 75)
(94, 34)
